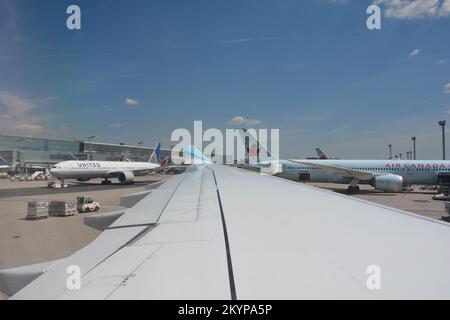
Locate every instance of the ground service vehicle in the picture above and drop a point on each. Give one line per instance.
(87, 204)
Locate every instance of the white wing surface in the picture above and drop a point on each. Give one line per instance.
(219, 232)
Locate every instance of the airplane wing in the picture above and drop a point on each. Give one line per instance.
(348, 173)
(218, 232)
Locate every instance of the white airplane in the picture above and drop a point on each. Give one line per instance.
(125, 171)
(384, 175)
(220, 232)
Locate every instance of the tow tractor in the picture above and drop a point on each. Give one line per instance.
(87, 204)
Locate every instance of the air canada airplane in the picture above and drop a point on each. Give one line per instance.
(125, 171)
(384, 175)
(221, 232)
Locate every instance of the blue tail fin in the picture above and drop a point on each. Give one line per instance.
(154, 158)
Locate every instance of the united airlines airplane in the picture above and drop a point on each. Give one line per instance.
(125, 171)
(384, 175)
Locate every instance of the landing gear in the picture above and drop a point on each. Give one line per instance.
(106, 182)
(352, 189)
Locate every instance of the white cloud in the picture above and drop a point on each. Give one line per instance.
(241, 121)
(445, 9)
(16, 116)
(29, 129)
(131, 102)
(443, 61)
(117, 125)
(447, 88)
(415, 9)
(414, 53)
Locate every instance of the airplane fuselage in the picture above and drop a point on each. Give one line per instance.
(99, 169)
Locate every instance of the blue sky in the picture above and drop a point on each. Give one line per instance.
(139, 69)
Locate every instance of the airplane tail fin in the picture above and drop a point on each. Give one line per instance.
(257, 148)
(165, 162)
(154, 158)
(321, 155)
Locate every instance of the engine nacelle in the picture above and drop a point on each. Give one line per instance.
(388, 183)
(125, 176)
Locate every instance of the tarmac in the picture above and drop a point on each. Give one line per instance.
(35, 188)
(416, 201)
(25, 242)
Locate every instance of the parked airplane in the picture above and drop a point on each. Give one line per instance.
(218, 232)
(125, 171)
(384, 175)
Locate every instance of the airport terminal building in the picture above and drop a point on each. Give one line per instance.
(25, 154)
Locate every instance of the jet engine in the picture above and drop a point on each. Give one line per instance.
(125, 176)
(388, 183)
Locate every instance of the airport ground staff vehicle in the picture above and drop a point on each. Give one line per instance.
(87, 204)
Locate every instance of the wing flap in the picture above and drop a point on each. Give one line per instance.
(191, 262)
(148, 210)
(53, 283)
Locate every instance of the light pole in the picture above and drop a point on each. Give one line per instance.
(442, 124)
(414, 147)
(390, 151)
